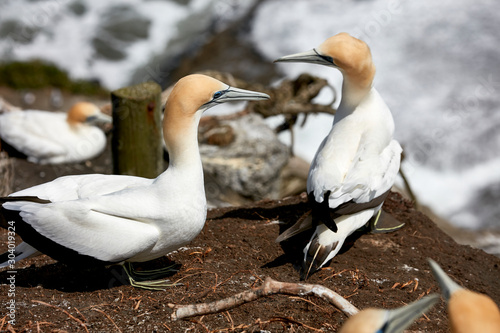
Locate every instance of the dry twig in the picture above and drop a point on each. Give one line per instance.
(65, 312)
(107, 316)
(269, 287)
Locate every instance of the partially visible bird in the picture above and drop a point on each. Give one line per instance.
(468, 311)
(356, 164)
(116, 219)
(388, 321)
(56, 137)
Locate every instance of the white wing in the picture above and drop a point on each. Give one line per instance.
(82, 186)
(81, 225)
(371, 175)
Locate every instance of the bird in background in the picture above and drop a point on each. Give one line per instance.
(56, 137)
(99, 219)
(388, 321)
(356, 164)
(468, 311)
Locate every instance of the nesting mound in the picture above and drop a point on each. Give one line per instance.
(235, 251)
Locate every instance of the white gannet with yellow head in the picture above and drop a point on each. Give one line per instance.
(357, 163)
(56, 137)
(114, 219)
(468, 311)
(388, 321)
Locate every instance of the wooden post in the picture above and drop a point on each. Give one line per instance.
(137, 135)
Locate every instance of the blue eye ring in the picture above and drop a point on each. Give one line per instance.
(218, 94)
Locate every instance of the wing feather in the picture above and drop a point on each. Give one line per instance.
(73, 224)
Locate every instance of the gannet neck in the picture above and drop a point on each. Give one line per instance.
(356, 87)
(181, 139)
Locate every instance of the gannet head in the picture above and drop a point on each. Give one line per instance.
(388, 321)
(190, 97)
(197, 92)
(348, 54)
(85, 112)
(468, 311)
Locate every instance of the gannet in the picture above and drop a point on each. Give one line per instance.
(388, 321)
(468, 311)
(56, 137)
(356, 164)
(108, 219)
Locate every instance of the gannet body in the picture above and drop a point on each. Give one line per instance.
(106, 219)
(468, 311)
(356, 164)
(56, 137)
(388, 321)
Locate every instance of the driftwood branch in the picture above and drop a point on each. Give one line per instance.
(269, 287)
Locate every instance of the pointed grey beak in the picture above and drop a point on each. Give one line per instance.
(98, 118)
(235, 94)
(232, 94)
(311, 57)
(447, 285)
(401, 318)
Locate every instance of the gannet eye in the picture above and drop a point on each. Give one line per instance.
(327, 58)
(324, 57)
(218, 94)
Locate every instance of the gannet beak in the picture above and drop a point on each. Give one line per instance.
(98, 118)
(236, 94)
(232, 94)
(312, 57)
(399, 319)
(447, 285)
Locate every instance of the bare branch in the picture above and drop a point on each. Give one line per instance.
(269, 287)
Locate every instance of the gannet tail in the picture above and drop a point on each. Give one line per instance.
(22, 251)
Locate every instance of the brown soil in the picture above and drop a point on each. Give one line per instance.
(235, 251)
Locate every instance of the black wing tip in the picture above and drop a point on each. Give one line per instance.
(4, 257)
(330, 223)
(29, 198)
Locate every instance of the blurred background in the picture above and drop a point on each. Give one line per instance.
(438, 69)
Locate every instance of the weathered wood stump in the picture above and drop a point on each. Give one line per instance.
(137, 134)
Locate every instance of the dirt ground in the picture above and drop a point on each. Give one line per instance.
(236, 251)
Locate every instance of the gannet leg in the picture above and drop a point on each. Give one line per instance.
(149, 279)
(383, 222)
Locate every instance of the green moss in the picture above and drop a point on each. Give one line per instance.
(37, 74)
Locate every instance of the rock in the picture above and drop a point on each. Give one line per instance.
(248, 164)
(19, 32)
(121, 26)
(293, 177)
